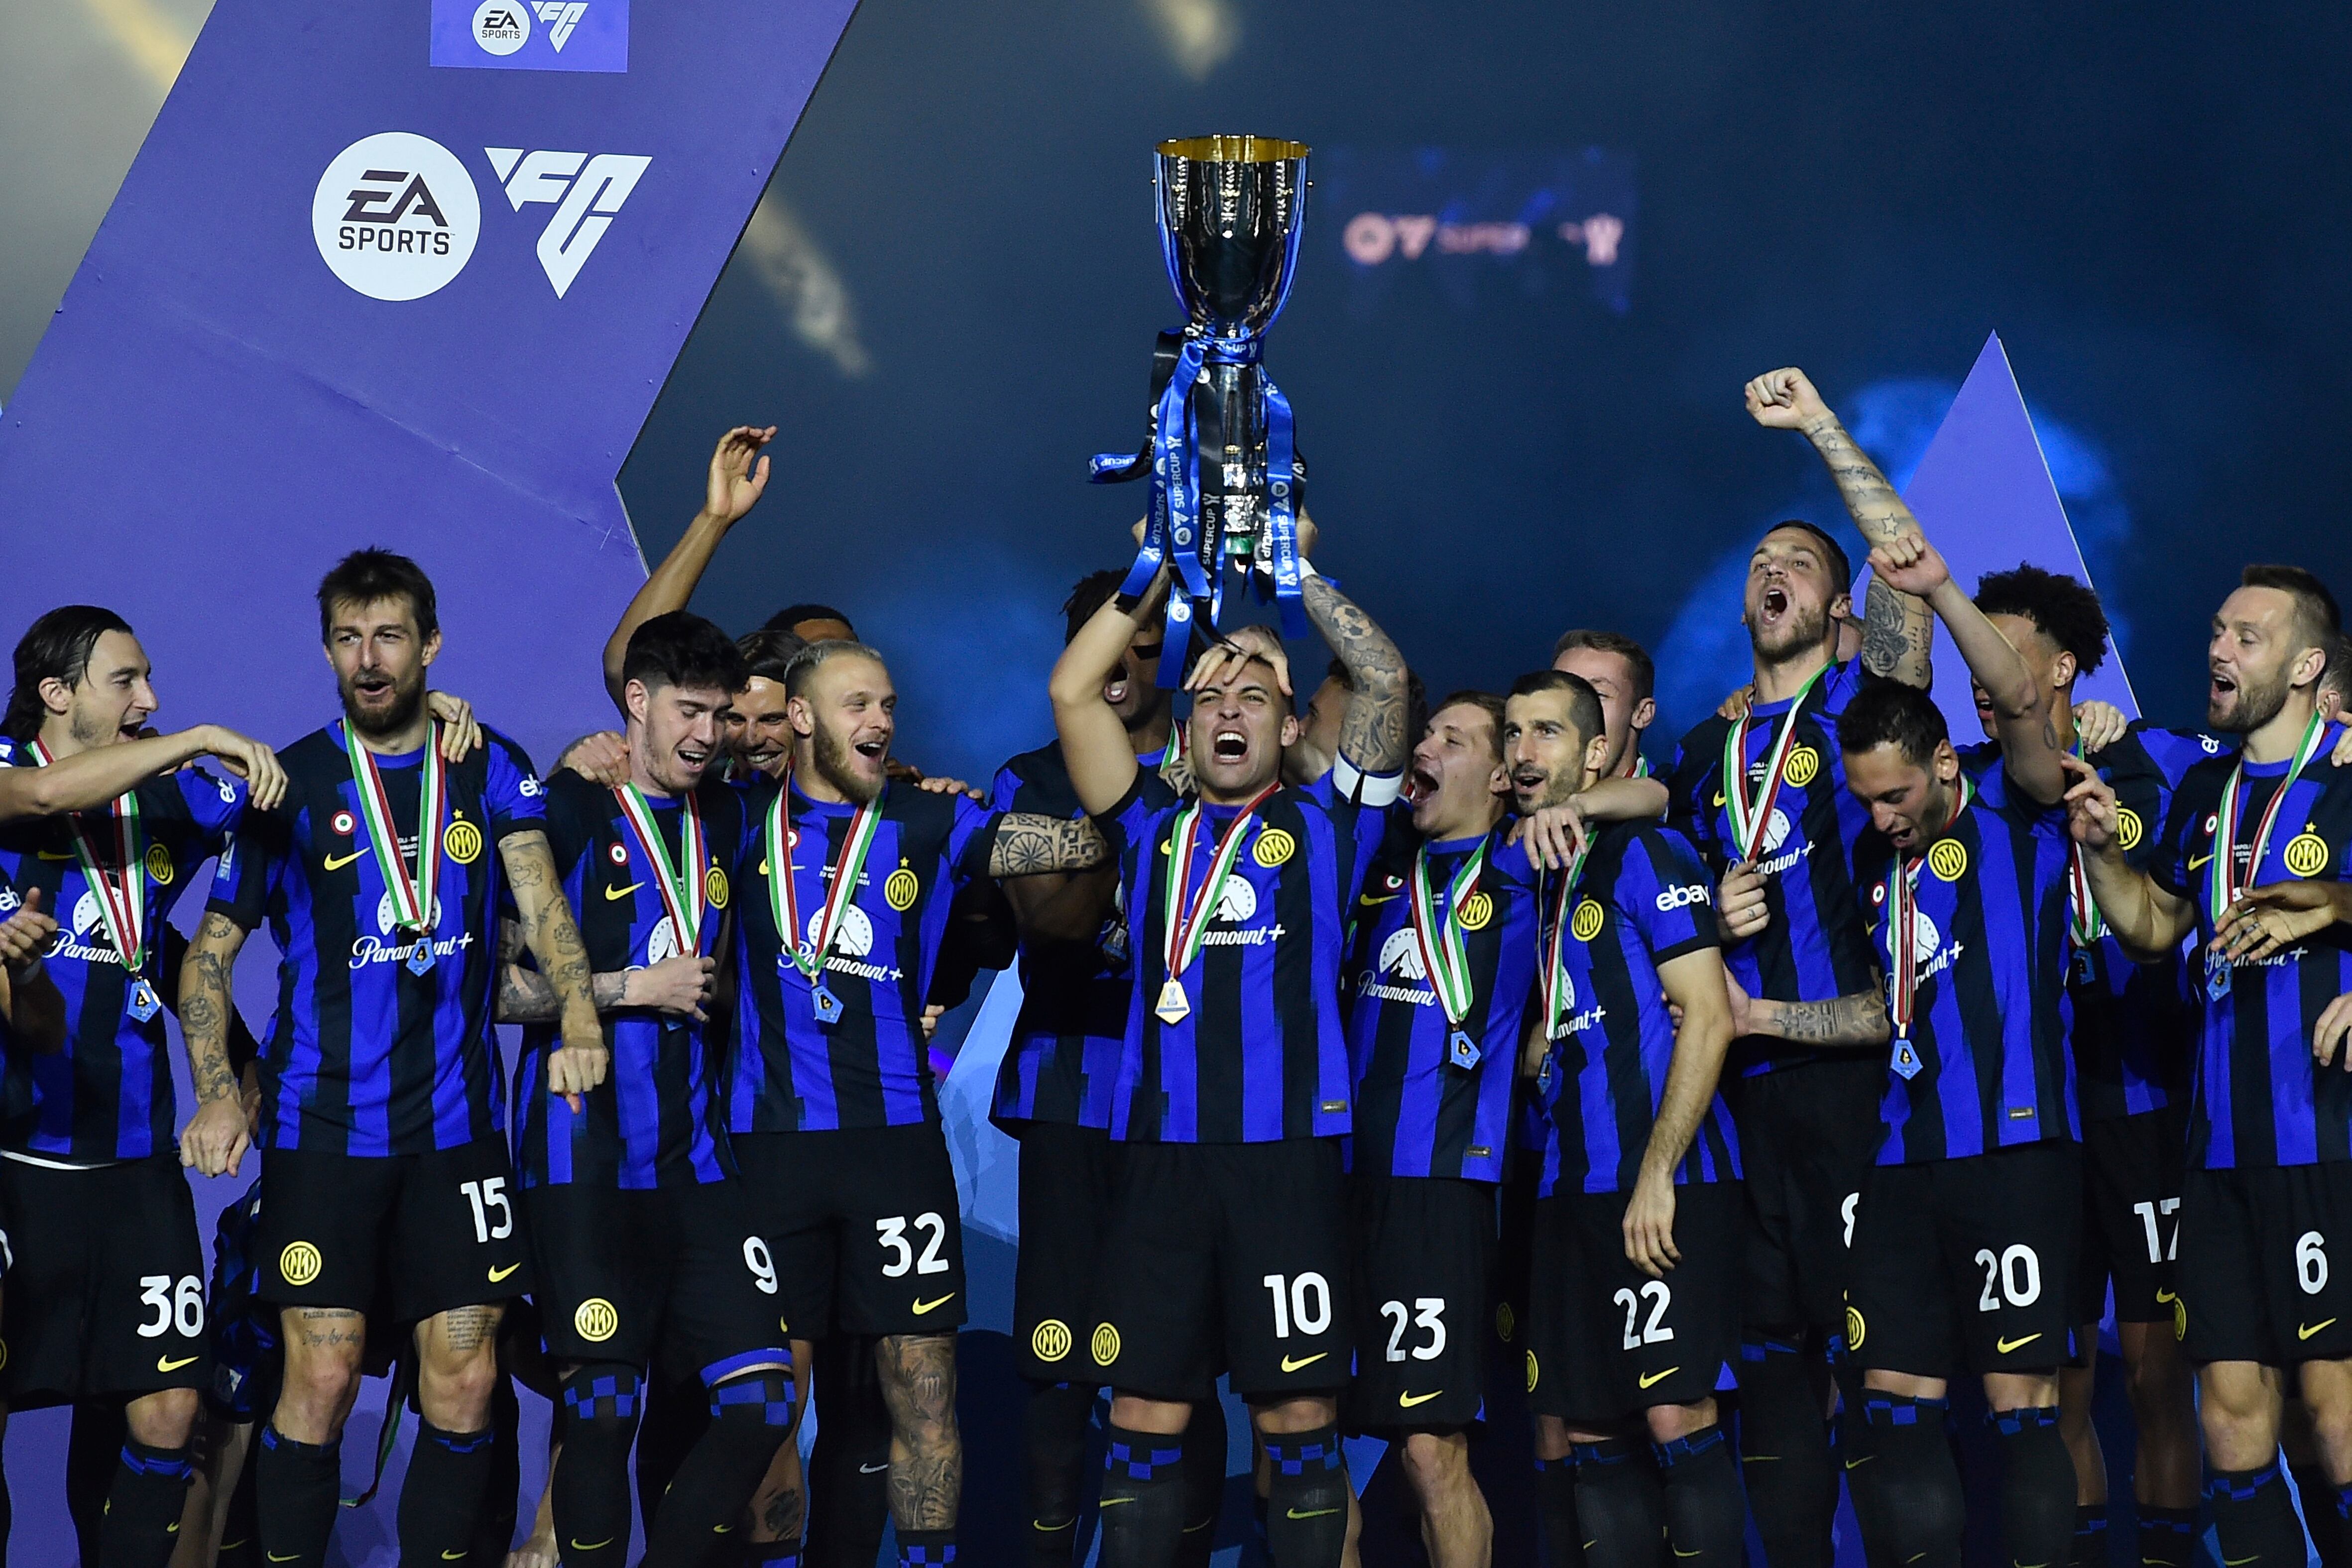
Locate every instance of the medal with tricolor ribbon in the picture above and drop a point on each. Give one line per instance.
(1558, 993)
(121, 897)
(1445, 953)
(1185, 917)
(682, 893)
(807, 954)
(2083, 923)
(413, 900)
(1751, 818)
(1903, 945)
(2222, 886)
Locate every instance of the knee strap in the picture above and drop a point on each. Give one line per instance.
(607, 1391)
(753, 1399)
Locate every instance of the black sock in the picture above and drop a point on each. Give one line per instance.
(1562, 1545)
(1054, 1436)
(749, 1417)
(447, 1473)
(2168, 1536)
(1785, 1457)
(601, 1405)
(670, 1422)
(142, 1510)
(1620, 1505)
(2037, 1487)
(295, 1488)
(1204, 1483)
(2321, 1515)
(1143, 1505)
(1306, 1503)
(2090, 1546)
(1916, 1486)
(2254, 1518)
(93, 1446)
(849, 1468)
(494, 1525)
(1707, 1514)
(926, 1548)
(240, 1544)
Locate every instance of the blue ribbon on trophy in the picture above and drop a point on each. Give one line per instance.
(1229, 216)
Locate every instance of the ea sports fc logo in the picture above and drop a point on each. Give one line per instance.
(395, 216)
(299, 1264)
(597, 1320)
(1051, 1342)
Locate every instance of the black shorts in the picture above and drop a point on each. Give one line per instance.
(1509, 1284)
(2132, 1167)
(1968, 1264)
(1607, 1341)
(863, 1225)
(106, 1293)
(419, 1234)
(1226, 1257)
(2265, 1264)
(1067, 1177)
(621, 1273)
(1808, 1134)
(1424, 1261)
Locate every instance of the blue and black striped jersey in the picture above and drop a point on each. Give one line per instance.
(364, 1056)
(869, 1067)
(1259, 1054)
(1417, 1114)
(1062, 1064)
(1815, 947)
(1644, 900)
(108, 1094)
(1990, 946)
(2260, 1099)
(652, 1122)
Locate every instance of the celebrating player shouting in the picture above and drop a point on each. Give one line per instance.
(382, 1106)
(2252, 860)
(1227, 1247)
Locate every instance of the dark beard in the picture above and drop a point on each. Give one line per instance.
(1804, 630)
(832, 759)
(2257, 706)
(399, 716)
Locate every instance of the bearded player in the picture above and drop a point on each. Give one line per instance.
(1434, 987)
(382, 1107)
(1763, 796)
(2252, 861)
(1227, 1246)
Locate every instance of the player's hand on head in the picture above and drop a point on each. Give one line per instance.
(27, 934)
(1649, 1226)
(1555, 836)
(252, 761)
(460, 732)
(679, 985)
(216, 1138)
(2327, 1038)
(600, 758)
(1784, 399)
(2101, 724)
(1740, 902)
(2269, 919)
(739, 472)
(2090, 803)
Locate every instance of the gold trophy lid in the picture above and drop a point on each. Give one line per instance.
(1234, 149)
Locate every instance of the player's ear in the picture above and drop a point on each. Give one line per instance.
(1291, 730)
(636, 700)
(799, 715)
(1842, 607)
(2062, 671)
(432, 646)
(1596, 754)
(1946, 764)
(1645, 713)
(55, 694)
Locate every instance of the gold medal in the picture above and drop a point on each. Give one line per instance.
(1173, 1006)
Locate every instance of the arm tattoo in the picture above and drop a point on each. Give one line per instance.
(919, 1385)
(1857, 1019)
(1372, 731)
(205, 1007)
(1876, 508)
(1881, 628)
(547, 921)
(1028, 843)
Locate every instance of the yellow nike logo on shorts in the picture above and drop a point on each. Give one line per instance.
(2164, 1298)
(285, 1557)
(2303, 1333)
(166, 1364)
(1105, 1502)
(1310, 1513)
(922, 1307)
(579, 1545)
(615, 894)
(2004, 1347)
(1652, 1378)
(457, 1556)
(1409, 1400)
(498, 1274)
(1863, 1461)
(1290, 1366)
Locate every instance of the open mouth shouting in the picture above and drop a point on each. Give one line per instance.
(1774, 605)
(1229, 745)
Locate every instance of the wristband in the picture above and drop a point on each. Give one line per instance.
(1305, 569)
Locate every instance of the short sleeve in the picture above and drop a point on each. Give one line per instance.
(254, 853)
(2167, 863)
(1685, 784)
(1004, 794)
(512, 793)
(570, 827)
(215, 802)
(971, 836)
(1663, 890)
(1129, 821)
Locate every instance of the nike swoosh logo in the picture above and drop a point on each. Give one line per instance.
(459, 1555)
(2303, 1333)
(53, 855)
(285, 1557)
(337, 863)
(1680, 1553)
(498, 1274)
(2164, 1298)
(1310, 1513)
(1409, 1400)
(615, 894)
(1367, 900)
(1109, 1502)
(877, 1470)
(2005, 1345)
(166, 1364)
(1290, 1366)
(579, 1545)
(2194, 863)
(1657, 1377)
(1863, 1461)
(922, 1307)
(2241, 1562)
